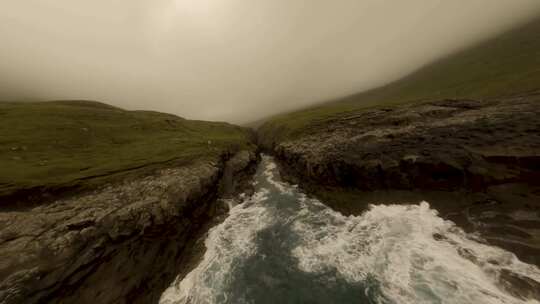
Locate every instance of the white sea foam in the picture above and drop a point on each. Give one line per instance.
(225, 243)
(270, 172)
(415, 255)
(395, 244)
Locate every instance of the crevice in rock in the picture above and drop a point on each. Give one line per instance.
(125, 243)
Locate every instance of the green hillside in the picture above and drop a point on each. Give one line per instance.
(504, 66)
(79, 143)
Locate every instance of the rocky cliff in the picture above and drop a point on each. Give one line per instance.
(120, 243)
(477, 162)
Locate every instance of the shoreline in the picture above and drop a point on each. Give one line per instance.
(476, 162)
(123, 243)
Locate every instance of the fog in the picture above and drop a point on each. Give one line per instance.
(232, 60)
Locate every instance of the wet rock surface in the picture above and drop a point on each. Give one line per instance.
(477, 162)
(123, 243)
(442, 145)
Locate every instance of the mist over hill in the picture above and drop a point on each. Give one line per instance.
(403, 165)
(236, 60)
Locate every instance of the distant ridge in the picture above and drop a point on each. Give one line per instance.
(504, 66)
(82, 103)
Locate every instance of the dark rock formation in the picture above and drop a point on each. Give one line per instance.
(443, 145)
(477, 162)
(123, 243)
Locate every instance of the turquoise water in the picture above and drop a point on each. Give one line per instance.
(279, 246)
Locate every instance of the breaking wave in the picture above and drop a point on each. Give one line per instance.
(279, 246)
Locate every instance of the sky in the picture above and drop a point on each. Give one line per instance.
(231, 60)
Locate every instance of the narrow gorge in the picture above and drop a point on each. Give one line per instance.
(122, 243)
(270, 152)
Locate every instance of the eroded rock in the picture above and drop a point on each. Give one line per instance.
(476, 162)
(122, 243)
(441, 145)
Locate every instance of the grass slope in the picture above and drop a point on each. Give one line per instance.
(505, 66)
(80, 143)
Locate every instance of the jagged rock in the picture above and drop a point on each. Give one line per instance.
(121, 243)
(468, 158)
(442, 145)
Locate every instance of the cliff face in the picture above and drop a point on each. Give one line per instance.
(478, 162)
(443, 145)
(121, 243)
(53, 148)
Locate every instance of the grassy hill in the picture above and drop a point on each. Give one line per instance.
(50, 145)
(504, 66)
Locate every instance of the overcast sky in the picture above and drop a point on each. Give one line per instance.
(233, 60)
